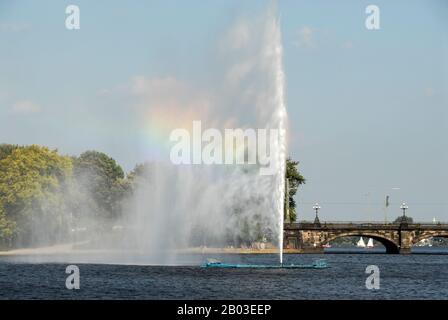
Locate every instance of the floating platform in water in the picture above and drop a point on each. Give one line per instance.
(318, 264)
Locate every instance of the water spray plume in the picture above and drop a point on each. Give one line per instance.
(174, 208)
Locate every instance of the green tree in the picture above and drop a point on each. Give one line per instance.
(140, 175)
(101, 180)
(7, 230)
(403, 219)
(32, 187)
(7, 149)
(295, 180)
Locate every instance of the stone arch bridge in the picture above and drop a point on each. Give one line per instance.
(396, 238)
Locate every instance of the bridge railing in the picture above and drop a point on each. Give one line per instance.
(346, 222)
(374, 224)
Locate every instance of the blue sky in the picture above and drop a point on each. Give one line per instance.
(367, 109)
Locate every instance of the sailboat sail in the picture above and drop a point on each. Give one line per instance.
(370, 243)
(361, 243)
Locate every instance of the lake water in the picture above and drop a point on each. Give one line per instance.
(418, 276)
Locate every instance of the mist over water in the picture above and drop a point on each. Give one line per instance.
(177, 207)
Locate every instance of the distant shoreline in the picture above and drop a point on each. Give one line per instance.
(74, 249)
(71, 249)
(238, 251)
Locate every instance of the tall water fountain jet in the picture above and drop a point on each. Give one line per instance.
(175, 208)
(280, 118)
(178, 207)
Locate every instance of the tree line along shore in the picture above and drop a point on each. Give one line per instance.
(41, 189)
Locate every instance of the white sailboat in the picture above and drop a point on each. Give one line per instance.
(361, 243)
(370, 243)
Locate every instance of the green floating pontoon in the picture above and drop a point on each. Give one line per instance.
(317, 264)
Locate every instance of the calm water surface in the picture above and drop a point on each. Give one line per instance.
(418, 276)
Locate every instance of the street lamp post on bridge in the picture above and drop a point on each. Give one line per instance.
(404, 207)
(316, 208)
(404, 219)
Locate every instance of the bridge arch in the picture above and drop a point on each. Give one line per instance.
(389, 244)
(429, 234)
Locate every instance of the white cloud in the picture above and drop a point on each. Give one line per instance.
(156, 87)
(239, 36)
(104, 92)
(305, 37)
(429, 92)
(347, 45)
(239, 71)
(25, 107)
(14, 26)
(169, 101)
